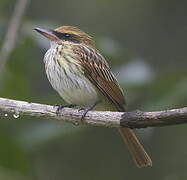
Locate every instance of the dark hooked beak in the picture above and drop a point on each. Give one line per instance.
(48, 33)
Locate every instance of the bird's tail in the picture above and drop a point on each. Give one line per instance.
(137, 151)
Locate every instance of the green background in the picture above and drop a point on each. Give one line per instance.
(145, 43)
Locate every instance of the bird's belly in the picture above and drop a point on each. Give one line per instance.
(72, 85)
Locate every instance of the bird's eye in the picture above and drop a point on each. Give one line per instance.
(67, 35)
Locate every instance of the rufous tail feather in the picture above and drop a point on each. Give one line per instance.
(137, 151)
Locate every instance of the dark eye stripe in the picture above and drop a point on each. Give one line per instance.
(67, 37)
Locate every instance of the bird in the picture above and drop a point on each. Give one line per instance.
(82, 76)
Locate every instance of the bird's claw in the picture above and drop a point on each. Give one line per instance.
(60, 107)
(85, 111)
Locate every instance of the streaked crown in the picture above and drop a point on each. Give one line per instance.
(67, 33)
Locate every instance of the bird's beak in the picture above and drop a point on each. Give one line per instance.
(48, 33)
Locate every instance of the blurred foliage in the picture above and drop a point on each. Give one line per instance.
(145, 44)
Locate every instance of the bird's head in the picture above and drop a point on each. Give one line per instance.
(66, 34)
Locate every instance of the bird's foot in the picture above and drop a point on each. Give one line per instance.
(86, 110)
(60, 107)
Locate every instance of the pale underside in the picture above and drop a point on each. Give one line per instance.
(82, 76)
(60, 66)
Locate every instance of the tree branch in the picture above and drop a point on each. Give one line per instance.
(12, 32)
(137, 119)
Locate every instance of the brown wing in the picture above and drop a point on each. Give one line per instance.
(97, 70)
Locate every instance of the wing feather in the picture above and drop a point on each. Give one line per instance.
(97, 70)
